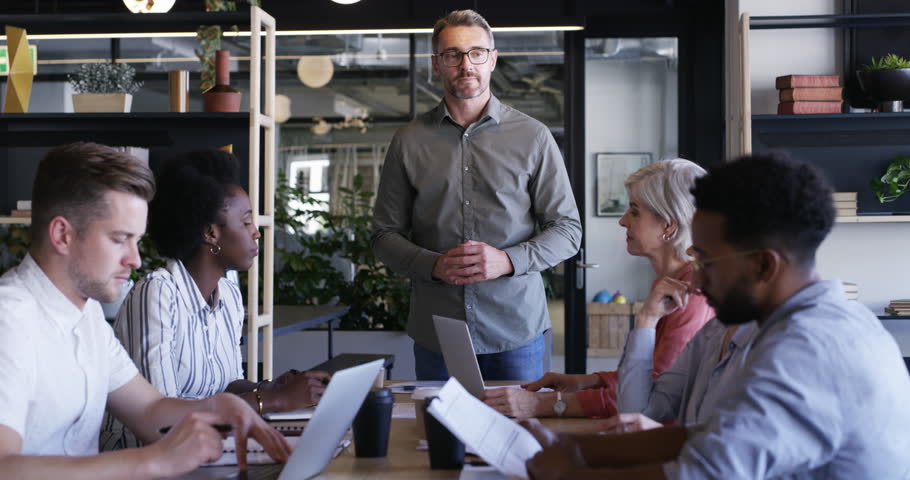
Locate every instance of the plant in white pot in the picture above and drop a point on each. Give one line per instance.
(104, 87)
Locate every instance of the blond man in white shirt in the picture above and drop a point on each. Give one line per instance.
(59, 360)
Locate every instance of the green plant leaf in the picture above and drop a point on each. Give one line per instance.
(894, 182)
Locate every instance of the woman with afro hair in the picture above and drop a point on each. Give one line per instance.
(182, 323)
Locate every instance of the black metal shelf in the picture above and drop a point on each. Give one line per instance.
(894, 317)
(143, 129)
(57, 116)
(829, 21)
(124, 22)
(845, 117)
(851, 148)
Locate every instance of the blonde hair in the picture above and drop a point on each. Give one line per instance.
(665, 189)
(461, 18)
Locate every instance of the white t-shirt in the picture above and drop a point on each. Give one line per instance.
(57, 365)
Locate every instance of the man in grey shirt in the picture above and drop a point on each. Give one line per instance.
(464, 189)
(823, 389)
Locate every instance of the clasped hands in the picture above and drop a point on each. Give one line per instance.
(472, 262)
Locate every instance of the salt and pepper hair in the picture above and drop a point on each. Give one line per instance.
(664, 188)
(461, 18)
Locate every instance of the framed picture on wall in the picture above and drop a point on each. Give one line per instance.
(612, 169)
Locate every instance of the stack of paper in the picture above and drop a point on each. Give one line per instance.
(497, 439)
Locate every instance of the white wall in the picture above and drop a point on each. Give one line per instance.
(874, 256)
(623, 108)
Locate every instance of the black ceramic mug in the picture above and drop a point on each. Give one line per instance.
(446, 451)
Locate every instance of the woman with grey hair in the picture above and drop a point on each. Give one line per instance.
(658, 228)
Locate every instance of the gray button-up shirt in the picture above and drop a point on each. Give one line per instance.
(689, 390)
(494, 182)
(823, 394)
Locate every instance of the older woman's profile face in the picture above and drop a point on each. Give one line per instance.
(643, 228)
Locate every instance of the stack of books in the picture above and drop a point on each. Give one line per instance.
(23, 209)
(851, 290)
(845, 204)
(898, 307)
(809, 94)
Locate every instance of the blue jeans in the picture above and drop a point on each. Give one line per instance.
(524, 363)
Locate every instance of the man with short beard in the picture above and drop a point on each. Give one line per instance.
(474, 202)
(822, 391)
(60, 364)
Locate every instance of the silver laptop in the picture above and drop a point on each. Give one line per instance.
(458, 352)
(334, 414)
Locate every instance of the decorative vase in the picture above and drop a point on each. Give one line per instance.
(102, 102)
(889, 88)
(222, 97)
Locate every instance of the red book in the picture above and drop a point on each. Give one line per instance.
(793, 81)
(803, 94)
(808, 107)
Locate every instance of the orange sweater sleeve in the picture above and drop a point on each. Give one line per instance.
(673, 333)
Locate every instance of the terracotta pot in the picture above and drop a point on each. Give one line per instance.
(222, 97)
(102, 102)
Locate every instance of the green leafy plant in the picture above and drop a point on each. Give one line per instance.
(105, 78)
(209, 37)
(14, 243)
(378, 298)
(888, 62)
(894, 182)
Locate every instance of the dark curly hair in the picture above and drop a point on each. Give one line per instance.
(770, 201)
(191, 192)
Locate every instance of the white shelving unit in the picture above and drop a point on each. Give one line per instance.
(262, 137)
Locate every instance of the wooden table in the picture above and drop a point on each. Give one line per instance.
(403, 462)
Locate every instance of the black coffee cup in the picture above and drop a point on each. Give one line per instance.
(372, 424)
(446, 451)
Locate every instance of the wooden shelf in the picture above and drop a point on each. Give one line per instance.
(15, 220)
(874, 219)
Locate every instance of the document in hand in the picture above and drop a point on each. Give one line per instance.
(497, 439)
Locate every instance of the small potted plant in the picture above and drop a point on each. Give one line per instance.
(887, 82)
(894, 182)
(104, 87)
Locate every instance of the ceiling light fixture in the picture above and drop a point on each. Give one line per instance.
(149, 6)
(315, 71)
(346, 2)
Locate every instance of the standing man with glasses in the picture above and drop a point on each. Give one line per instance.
(474, 202)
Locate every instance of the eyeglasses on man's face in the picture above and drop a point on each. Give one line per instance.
(477, 56)
(699, 265)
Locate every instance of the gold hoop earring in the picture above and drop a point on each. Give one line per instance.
(215, 249)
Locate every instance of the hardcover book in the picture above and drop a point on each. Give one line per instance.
(803, 94)
(784, 108)
(793, 81)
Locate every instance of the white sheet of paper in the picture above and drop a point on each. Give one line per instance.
(497, 439)
(302, 414)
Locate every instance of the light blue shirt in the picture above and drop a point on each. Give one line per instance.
(689, 390)
(823, 394)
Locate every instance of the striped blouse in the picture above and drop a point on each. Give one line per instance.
(182, 346)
